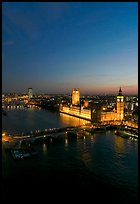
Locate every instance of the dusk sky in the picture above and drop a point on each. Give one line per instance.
(54, 47)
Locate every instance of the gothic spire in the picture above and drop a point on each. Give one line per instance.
(120, 92)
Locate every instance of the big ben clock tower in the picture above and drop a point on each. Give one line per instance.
(120, 105)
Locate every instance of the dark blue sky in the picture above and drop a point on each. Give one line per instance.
(53, 47)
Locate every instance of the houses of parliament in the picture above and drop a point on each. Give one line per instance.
(96, 113)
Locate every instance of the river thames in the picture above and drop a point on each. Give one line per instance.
(95, 167)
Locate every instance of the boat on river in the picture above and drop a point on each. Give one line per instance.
(126, 134)
(22, 153)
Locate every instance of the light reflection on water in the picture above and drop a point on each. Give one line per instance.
(66, 144)
(45, 148)
(119, 145)
(109, 157)
(74, 121)
(23, 120)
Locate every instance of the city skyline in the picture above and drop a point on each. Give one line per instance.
(53, 47)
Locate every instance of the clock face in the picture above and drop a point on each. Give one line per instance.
(120, 99)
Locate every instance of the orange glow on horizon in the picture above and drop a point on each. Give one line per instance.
(126, 90)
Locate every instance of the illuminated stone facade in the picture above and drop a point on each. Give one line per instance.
(116, 114)
(96, 114)
(75, 96)
(120, 105)
(76, 111)
(86, 103)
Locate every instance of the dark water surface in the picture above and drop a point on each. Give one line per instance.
(98, 167)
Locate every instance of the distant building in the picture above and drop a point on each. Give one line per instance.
(30, 93)
(97, 113)
(86, 103)
(120, 105)
(106, 115)
(75, 96)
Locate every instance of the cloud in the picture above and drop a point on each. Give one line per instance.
(23, 21)
(32, 19)
(54, 9)
(130, 86)
(8, 43)
(99, 75)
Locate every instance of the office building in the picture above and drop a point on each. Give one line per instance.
(30, 93)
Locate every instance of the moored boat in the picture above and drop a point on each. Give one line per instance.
(22, 153)
(126, 134)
